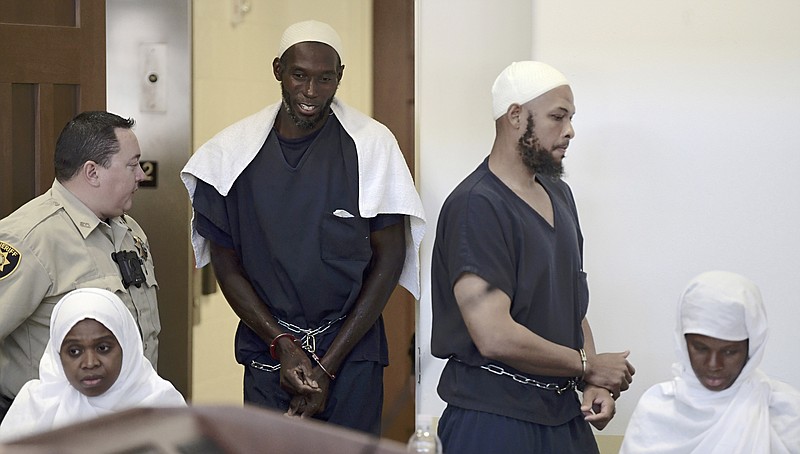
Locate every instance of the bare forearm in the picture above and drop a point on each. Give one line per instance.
(528, 352)
(241, 296)
(487, 314)
(588, 338)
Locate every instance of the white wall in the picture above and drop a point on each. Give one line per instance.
(686, 155)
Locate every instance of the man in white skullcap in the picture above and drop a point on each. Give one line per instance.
(310, 218)
(509, 293)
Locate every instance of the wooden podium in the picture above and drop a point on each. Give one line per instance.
(201, 430)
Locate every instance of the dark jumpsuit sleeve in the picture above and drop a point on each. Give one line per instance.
(382, 221)
(211, 215)
(477, 241)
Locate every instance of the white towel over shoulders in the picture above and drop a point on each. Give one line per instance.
(384, 181)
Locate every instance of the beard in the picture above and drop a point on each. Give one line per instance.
(535, 157)
(303, 122)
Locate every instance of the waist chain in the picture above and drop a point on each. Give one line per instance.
(519, 378)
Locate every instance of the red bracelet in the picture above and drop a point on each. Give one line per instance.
(274, 344)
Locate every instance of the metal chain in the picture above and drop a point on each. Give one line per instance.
(308, 342)
(495, 369)
(266, 367)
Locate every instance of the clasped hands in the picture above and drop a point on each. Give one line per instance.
(607, 375)
(308, 385)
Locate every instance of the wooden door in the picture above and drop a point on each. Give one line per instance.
(52, 66)
(393, 105)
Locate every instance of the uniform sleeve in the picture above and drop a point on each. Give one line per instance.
(24, 283)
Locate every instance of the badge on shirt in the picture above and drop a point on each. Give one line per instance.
(9, 259)
(141, 247)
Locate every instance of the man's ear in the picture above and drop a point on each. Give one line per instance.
(514, 114)
(89, 172)
(276, 68)
(340, 74)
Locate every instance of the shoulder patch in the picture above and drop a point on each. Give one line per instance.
(9, 259)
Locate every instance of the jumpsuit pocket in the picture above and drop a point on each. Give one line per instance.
(344, 238)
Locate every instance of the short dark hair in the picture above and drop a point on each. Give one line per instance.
(90, 136)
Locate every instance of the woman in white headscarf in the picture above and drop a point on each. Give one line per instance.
(718, 401)
(52, 401)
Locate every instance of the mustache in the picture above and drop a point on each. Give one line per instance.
(304, 123)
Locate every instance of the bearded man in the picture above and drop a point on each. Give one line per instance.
(509, 293)
(310, 218)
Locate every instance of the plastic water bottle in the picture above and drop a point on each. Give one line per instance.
(424, 441)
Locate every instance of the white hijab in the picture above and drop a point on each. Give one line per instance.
(50, 401)
(755, 415)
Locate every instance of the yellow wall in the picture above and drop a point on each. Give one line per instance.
(232, 78)
(609, 444)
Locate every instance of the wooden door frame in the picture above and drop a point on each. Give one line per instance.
(48, 58)
(393, 105)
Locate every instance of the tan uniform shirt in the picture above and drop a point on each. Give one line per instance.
(48, 247)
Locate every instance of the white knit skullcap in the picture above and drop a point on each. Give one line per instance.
(310, 30)
(521, 82)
